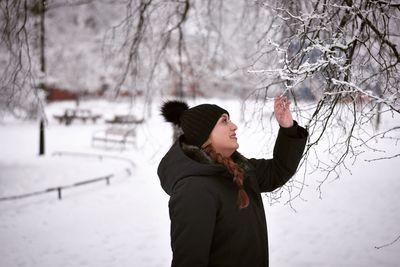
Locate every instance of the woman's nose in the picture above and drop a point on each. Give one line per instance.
(233, 126)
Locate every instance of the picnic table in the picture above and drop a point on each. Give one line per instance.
(71, 114)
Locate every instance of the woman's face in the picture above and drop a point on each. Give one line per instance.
(223, 136)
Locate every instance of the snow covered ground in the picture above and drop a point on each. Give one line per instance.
(127, 223)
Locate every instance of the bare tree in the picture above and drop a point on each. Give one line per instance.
(346, 53)
(16, 77)
(180, 47)
(72, 57)
(186, 47)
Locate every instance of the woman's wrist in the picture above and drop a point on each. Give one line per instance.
(291, 130)
(287, 124)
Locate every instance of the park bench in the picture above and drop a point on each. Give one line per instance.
(72, 114)
(115, 135)
(125, 119)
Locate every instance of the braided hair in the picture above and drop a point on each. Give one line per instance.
(235, 170)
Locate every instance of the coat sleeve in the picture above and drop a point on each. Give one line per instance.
(193, 211)
(288, 150)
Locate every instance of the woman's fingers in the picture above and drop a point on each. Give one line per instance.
(282, 102)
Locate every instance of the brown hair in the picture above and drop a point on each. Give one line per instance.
(235, 170)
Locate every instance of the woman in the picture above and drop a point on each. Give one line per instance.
(216, 210)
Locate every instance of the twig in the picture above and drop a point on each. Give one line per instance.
(388, 244)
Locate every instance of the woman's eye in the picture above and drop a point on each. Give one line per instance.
(225, 120)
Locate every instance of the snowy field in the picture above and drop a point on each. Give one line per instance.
(127, 223)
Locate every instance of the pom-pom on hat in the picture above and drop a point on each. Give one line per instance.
(196, 122)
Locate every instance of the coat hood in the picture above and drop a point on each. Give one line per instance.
(177, 165)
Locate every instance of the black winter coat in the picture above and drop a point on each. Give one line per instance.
(207, 227)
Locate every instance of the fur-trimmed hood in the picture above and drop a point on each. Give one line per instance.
(184, 160)
(200, 156)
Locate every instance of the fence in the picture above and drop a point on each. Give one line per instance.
(59, 188)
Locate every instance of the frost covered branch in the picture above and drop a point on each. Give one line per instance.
(344, 54)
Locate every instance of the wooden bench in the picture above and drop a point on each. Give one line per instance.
(125, 119)
(76, 114)
(115, 135)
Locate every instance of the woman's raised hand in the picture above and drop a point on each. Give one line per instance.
(282, 111)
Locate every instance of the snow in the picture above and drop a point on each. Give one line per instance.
(127, 223)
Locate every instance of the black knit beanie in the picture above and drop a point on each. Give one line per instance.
(196, 122)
